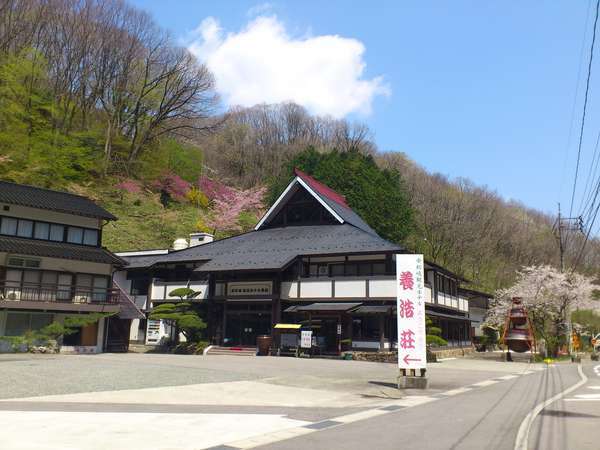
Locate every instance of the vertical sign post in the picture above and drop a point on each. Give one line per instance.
(410, 311)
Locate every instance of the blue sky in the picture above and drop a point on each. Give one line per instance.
(482, 90)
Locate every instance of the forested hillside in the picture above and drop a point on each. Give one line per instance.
(98, 100)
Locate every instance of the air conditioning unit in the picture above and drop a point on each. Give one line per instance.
(81, 299)
(12, 294)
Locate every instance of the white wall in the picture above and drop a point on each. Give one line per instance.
(350, 288)
(159, 290)
(315, 289)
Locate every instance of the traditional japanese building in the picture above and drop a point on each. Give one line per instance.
(53, 265)
(310, 260)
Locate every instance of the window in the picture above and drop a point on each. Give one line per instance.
(64, 286)
(364, 269)
(49, 279)
(31, 277)
(17, 324)
(100, 285)
(90, 237)
(57, 232)
(8, 226)
(351, 270)
(378, 268)
(337, 270)
(42, 230)
(75, 235)
(139, 286)
(25, 228)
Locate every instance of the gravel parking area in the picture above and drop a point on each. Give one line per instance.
(36, 375)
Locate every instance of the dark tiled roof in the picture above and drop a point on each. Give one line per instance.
(349, 216)
(136, 262)
(20, 194)
(20, 246)
(274, 248)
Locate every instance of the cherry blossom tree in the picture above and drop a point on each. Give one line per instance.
(549, 297)
(228, 206)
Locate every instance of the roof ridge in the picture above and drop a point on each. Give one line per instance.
(322, 188)
(56, 191)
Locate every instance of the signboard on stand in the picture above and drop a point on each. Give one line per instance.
(305, 338)
(410, 311)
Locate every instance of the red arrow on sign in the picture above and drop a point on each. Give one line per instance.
(406, 359)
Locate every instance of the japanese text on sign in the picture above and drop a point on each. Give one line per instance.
(410, 308)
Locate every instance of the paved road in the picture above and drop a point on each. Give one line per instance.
(572, 421)
(480, 418)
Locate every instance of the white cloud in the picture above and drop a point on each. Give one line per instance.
(260, 9)
(263, 64)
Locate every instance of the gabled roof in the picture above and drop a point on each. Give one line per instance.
(62, 250)
(65, 202)
(332, 201)
(273, 248)
(321, 189)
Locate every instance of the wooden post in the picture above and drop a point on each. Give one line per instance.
(381, 332)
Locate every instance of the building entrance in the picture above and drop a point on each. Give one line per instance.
(243, 327)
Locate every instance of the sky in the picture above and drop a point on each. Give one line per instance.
(490, 91)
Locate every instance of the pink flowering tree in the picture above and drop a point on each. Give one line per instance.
(171, 186)
(549, 297)
(130, 186)
(230, 203)
(215, 190)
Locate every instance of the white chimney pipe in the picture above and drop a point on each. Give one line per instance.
(200, 238)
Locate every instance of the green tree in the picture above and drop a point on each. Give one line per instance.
(377, 195)
(433, 334)
(184, 317)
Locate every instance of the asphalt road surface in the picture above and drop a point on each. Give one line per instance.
(487, 418)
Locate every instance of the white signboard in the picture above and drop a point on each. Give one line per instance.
(410, 307)
(305, 339)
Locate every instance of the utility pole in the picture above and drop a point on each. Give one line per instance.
(561, 225)
(566, 224)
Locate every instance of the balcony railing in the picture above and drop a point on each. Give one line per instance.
(59, 294)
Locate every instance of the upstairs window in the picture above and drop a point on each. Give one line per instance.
(25, 228)
(90, 237)
(57, 232)
(8, 226)
(75, 235)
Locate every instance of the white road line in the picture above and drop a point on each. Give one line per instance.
(485, 383)
(527, 372)
(507, 377)
(523, 434)
(593, 387)
(456, 391)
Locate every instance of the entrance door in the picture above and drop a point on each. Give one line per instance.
(243, 328)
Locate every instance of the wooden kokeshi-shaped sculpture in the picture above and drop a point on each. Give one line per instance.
(518, 332)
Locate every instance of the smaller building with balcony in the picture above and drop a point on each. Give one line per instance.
(311, 260)
(52, 265)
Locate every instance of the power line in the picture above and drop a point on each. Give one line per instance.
(591, 176)
(572, 120)
(585, 101)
